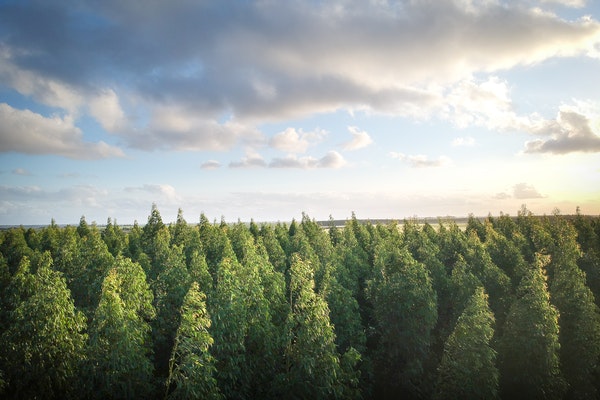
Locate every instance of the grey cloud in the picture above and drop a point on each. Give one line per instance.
(262, 61)
(210, 164)
(27, 132)
(571, 132)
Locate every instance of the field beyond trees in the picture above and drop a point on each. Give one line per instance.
(501, 307)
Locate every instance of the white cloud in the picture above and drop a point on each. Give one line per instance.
(27, 132)
(105, 108)
(571, 131)
(250, 161)
(486, 103)
(296, 141)
(421, 161)
(332, 159)
(46, 90)
(463, 142)
(360, 139)
(525, 191)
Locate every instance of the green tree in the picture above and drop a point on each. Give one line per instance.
(506, 254)
(114, 237)
(311, 365)
(579, 315)
(468, 367)
(119, 347)
(274, 250)
(528, 352)
(88, 270)
(229, 328)
(405, 311)
(496, 283)
(191, 367)
(169, 289)
(14, 247)
(44, 341)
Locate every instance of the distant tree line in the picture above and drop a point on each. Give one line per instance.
(506, 308)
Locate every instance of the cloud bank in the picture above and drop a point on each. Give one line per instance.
(163, 77)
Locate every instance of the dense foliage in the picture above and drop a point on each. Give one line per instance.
(506, 307)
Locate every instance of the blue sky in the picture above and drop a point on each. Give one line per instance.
(267, 109)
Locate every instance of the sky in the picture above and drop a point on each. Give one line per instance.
(267, 109)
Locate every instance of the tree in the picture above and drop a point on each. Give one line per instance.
(529, 348)
(45, 338)
(311, 360)
(579, 315)
(468, 369)
(114, 237)
(229, 328)
(169, 289)
(119, 347)
(191, 367)
(274, 250)
(14, 247)
(405, 311)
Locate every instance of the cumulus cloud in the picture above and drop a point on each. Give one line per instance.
(571, 132)
(359, 139)
(525, 191)
(250, 161)
(332, 159)
(27, 132)
(106, 109)
(269, 61)
(180, 128)
(210, 164)
(296, 141)
(421, 161)
(520, 191)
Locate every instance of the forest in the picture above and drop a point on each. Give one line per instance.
(504, 307)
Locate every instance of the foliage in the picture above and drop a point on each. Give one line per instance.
(468, 367)
(192, 367)
(506, 307)
(44, 342)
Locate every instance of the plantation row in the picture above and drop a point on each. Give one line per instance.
(506, 308)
